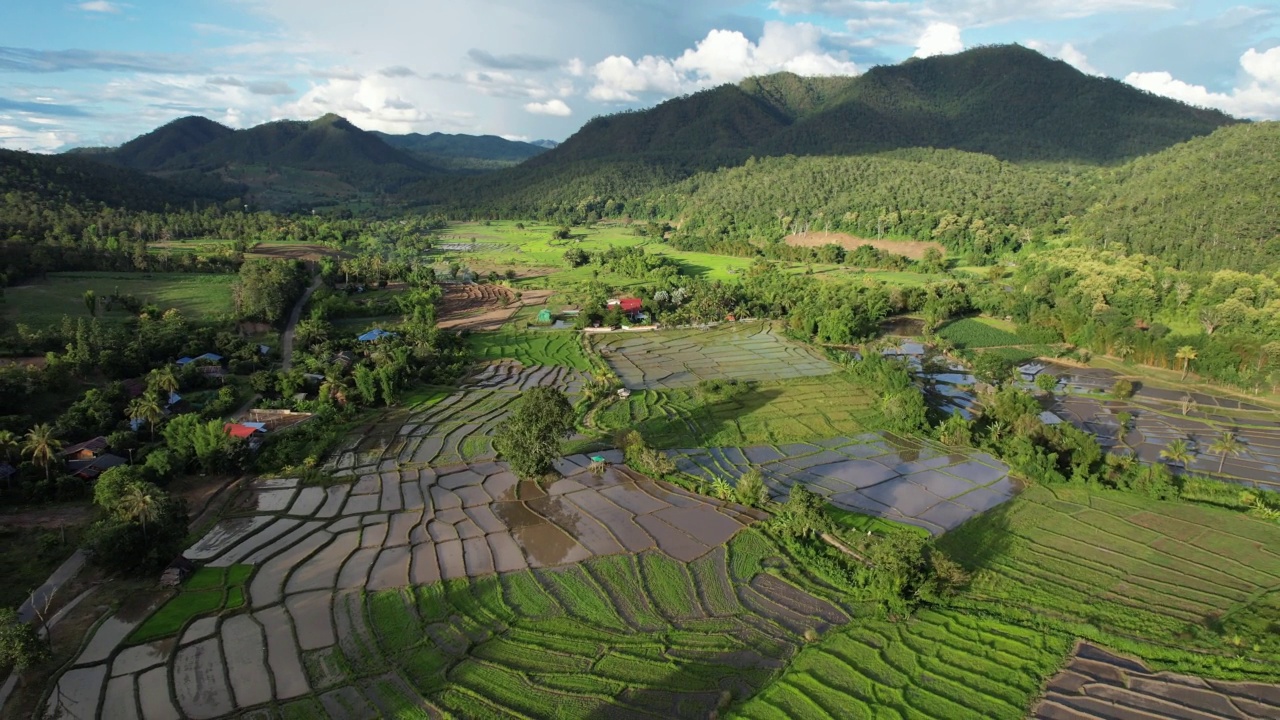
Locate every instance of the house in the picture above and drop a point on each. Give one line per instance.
(629, 306)
(264, 349)
(91, 468)
(544, 317)
(205, 358)
(375, 335)
(213, 372)
(87, 450)
(249, 432)
(274, 420)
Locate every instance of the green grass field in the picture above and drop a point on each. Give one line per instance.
(207, 591)
(197, 296)
(611, 635)
(938, 664)
(771, 412)
(1119, 568)
(978, 333)
(542, 347)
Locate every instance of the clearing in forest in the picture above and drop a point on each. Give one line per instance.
(914, 249)
(197, 296)
(733, 351)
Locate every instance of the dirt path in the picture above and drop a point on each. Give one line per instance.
(286, 339)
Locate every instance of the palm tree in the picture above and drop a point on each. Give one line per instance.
(163, 379)
(1178, 453)
(146, 407)
(139, 503)
(1226, 445)
(1122, 348)
(1186, 354)
(42, 446)
(335, 388)
(8, 443)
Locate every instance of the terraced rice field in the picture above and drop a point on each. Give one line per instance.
(938, 664)
(317, 552)
(547, 349)
(1099, 683)
(682, 358)
(449, 429)
(1127, 566)
(770, 413)
(882, 475)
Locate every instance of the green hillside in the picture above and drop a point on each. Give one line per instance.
(1209, 203)
(463, 152)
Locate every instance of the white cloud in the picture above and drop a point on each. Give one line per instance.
(13, 137)
(723, 56)
(1067, 53)
(101, 6)
(575, 67)
(375, 102)
(1258, 98)
(555, 108)
(939, 39)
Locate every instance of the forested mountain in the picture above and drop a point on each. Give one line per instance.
(169, 143)
(1005, 101)
(463, 152)
(1209, 203)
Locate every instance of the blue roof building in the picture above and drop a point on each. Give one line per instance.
(375, 334)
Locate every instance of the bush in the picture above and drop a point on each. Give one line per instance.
(1122, 389)
(751, 489)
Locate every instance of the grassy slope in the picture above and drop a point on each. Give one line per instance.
(197, 296)
(539, 347)
(1122, 569)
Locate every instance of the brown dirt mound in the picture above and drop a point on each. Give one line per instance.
(483, 307)
(913, 249)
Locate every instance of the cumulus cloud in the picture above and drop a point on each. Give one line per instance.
(1067, 53)
(723, 56)
(37, 139)
(554, 107)
(375, 102)
(1257, 97)
(939, 39)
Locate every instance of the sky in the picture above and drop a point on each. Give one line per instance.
(100, 72)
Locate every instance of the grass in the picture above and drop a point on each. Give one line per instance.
(543, 347)
(197, 296)
(207, 591)
(848, 520)
(781, 411)
(1156, 578)
(978, 333)
(592, 640)
(28, 556)
(939, 664)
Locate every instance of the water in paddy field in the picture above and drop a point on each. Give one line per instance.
(1158, 416)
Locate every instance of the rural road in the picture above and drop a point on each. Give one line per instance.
(286, 339)
(41, 595)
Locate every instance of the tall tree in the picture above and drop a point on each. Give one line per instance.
(163, 379)
(1226, 444)
(1186, 354)
(530, 437)
(140, 502)
(1178, 453)
(146, 407)
(42, 446)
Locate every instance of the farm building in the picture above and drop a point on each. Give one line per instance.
(86, 450)
(544, 317)
(91, 468)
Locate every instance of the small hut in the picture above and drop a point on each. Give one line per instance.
(544, 317)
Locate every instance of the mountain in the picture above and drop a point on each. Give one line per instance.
(1205, 204)
(289, 164)
(1006, 101)
(484, 147)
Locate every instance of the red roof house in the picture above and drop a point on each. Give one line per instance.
(236, 430)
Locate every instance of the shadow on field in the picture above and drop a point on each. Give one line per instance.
(707, 418)
(983, 539)
(700, 689)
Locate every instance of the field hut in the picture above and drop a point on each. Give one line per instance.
(544, 317)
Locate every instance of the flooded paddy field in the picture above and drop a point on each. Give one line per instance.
(1098, 683)
(682, 358)
(884, 475)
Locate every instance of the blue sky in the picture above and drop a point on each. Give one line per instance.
(98, 72)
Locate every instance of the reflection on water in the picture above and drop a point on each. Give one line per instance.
(545, 528)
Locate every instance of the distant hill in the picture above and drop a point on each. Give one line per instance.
(545, 144)
(1204, 204)
(1006, 101)
(486, 147)
(287, 164)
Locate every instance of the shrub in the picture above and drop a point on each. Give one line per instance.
(1122, 389)
(751, 489)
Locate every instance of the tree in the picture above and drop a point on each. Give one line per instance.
(1122, 349)
(992, 369)
(140, 503)
(1047, 382)
(163, 379)
(1178, 453)
(20, 643)
(1227, 444)
(529, 438)
(8, 444)
(146, 407)
(91, 302)
(42, 446)
(1186, 354)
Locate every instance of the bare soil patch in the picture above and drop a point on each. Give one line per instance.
(48, 518)
(484, 307)
(913, 249)
(296, 252)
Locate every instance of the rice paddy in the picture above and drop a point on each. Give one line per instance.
(196, 296)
